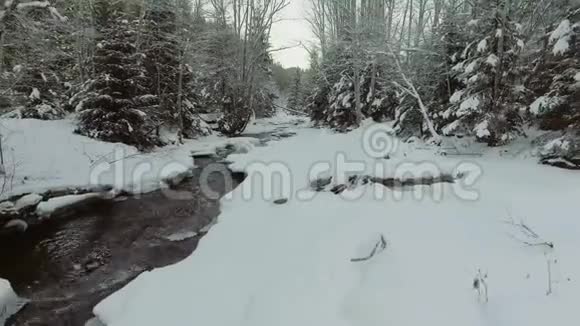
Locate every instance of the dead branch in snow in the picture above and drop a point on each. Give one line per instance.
(379, 246)
(530, 237)
(480, 284)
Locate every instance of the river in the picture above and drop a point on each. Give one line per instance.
(66, 267)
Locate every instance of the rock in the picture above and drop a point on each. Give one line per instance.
(338, 189)
(17, 225)
(28, 201)
(92, 266)
(6, 206)
(320, 184)
(281, 201)
(176, 178)
(69, 205)
(204, 154)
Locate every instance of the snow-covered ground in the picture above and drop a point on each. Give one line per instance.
(10, 303)
(42, 155)
(280, 119)
(47, 154)
(499, 247)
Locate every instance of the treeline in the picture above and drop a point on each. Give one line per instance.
(484, 68)
(135, 71)
(294, 85)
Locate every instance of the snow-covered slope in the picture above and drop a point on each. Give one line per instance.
(264, 264)
(47, 154)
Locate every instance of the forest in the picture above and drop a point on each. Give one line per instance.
(134, 70)
(138, 69)
(489, 69)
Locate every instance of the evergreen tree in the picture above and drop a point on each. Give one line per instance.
(557, 88)
(488, 106)
(296, 97)
(111, 110)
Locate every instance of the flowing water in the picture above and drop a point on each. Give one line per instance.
(66, 267)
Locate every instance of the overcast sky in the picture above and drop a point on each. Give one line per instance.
(292, 30)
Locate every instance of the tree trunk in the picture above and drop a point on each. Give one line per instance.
(500, 49)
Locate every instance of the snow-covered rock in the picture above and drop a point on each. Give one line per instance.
(181, 236)
(10, 303)
(47, 208)
(27, 201)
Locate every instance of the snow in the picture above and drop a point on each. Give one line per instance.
(264, 264)
(472, 66)
(473, 79)
(577, 77)
(562, 46)
(46, 208)
(473, 22)
(561, 36)
(10, 303)
(456, 97)
(482, 46)
(181, 236)
(35, 94)
(43, 155)
(557, 144)
(482, 129)
(563, 30)
(468, 106)
(544, 104)
(281, 119)
(27, 201)
(492, 60)
(33, 4)
(458, 67)
(450, 128)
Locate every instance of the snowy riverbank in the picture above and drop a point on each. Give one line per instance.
(496, 231)
(10, 303)
(45, 159)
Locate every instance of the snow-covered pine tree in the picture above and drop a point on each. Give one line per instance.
(449, 42)
(35, 54)
(333, 101)
(317, 100)
(557, 87)
(488, 106)
(380, 99)
(111, 111)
